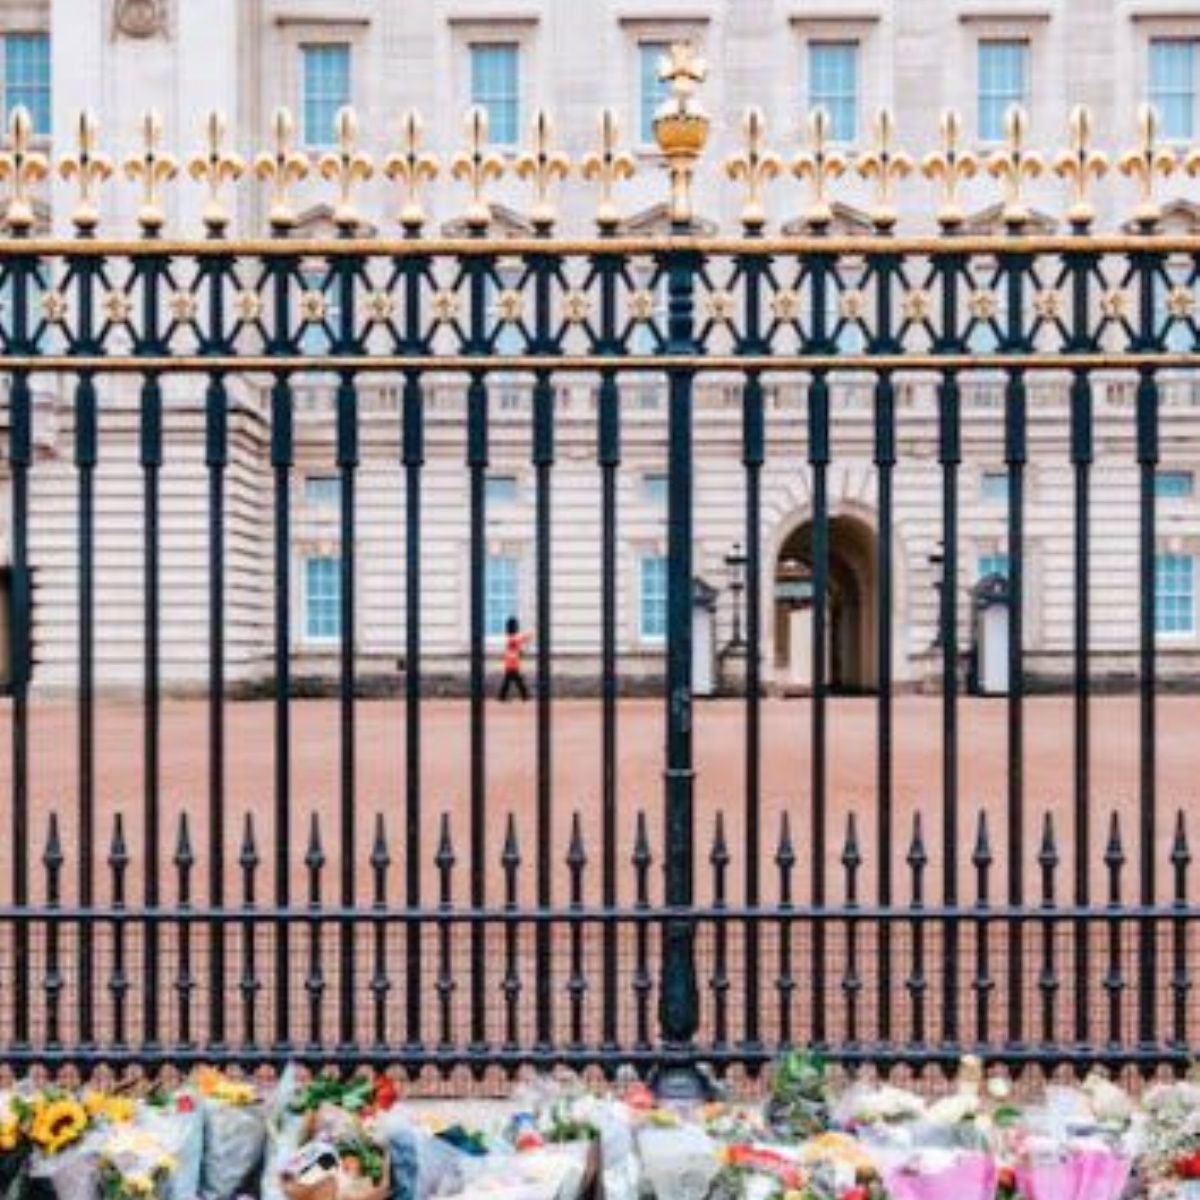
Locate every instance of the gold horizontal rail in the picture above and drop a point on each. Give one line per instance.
(791, 246)
(375, 364)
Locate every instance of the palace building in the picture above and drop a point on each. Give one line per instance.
(385, 57)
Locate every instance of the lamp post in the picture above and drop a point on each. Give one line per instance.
(735, 566)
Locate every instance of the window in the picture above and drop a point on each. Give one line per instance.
(1174, 485)
(833, 86)
(494, 87)
(322, 599)
(501, 489)
(652, 91)
(1003, 82)
(993, 485)
(654, 489)
(323, 493)
(501, 593)
(652, 606)
(326, 89)
(1172, 86)
(27, 77)
(1174, 593)
(994, 563)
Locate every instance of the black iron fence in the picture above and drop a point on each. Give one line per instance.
(609, 938)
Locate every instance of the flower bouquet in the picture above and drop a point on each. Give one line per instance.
(1166, 1131)
(235, 1115)
(15, 1146)
(66, 1132)
(134, 1164)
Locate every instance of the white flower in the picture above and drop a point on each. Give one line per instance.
(1110, 1104)
(954, 1109)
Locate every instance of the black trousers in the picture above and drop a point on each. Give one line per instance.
(513, 679)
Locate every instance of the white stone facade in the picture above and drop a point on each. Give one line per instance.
(186, 56)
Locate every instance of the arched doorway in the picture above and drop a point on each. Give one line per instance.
(851, 606)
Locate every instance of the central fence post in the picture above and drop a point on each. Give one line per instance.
(681, 129)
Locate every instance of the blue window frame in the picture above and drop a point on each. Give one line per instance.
(833, 86)
(1174, 593)
(1003, 82)
(502, 489)
(654, 489)
(495, 87)
(326, 89)
(1175, 485)
(27, 77)
(1172, 86)
(994, 563)
(323, 493)
(501, 593)
(322, 599)
(652, 91)
(993, 485)
(652, 598)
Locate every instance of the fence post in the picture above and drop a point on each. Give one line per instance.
(678, 997)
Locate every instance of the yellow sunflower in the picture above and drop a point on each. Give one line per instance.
(58, 1124)
(10, 1132)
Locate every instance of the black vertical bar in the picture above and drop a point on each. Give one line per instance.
(785, 984)
(576, 981)
(477, 459)
(641, 983)
(347, 461)
(381, 860)
(281, 462)
(52, 983)
(314, 863)
(1048, 978)
(678, 993)
(216, 460)
(1082, 268)
(1015, 267)
(414, 459)
(884, 267)
(1114, 979)
(718, 860)
(981, 860)
(950, 456)
(151, 463)
(118, 980)
(1147, 423)
(851, 984)
(510, 863)
(85, 461)
(249, 984)
(917, 982)
(1181, 860)
(608, 447)
(1081, 459)
(542, 267)
(20, 459)
(185, 985)
(444, 861)
(821, 268)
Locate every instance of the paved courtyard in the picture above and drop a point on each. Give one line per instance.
(511, 773)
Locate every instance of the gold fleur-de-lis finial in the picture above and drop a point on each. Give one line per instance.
(1080, 164)
(151, 168)
(819, 163)
(215, 167)
(754, 166)
(87, 168)
(476, 165)
(887, 166)
(681, 126)
(1013, 165)
(22, 167)
(347, 166)
(542, 166)
(281, 168)
(607, 166)
(1145, 164)
(950, 167)
(412, 168)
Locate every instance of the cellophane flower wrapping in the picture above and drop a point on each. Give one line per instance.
(942, 1174)
(135, 1163)
(235, 1117)
(71, 1174)
(180, 1129)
